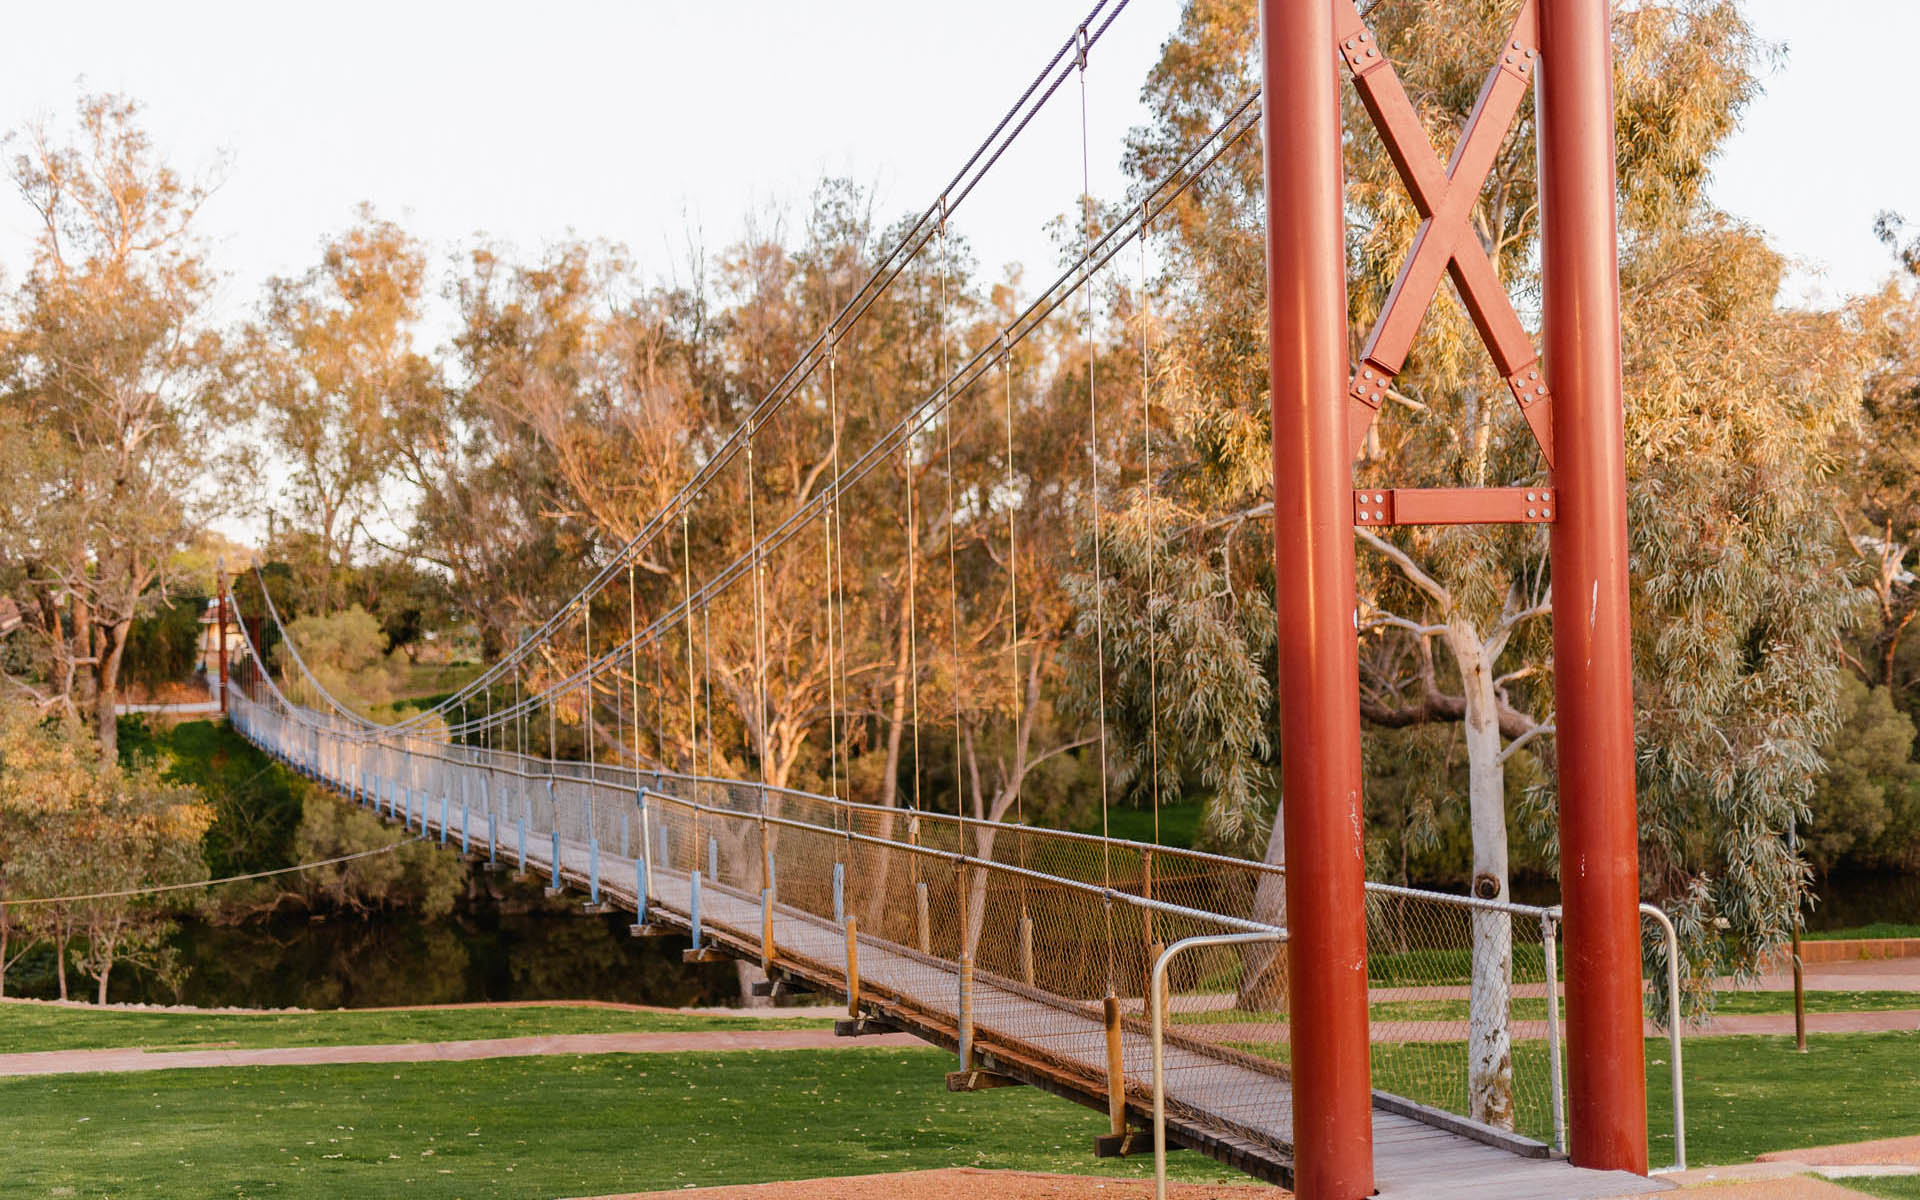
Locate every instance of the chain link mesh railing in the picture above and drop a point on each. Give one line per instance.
(1056, 931)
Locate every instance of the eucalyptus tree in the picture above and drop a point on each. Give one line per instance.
(114, 373)
(1737, 608)
(332, 365)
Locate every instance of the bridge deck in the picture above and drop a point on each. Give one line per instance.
(1227, 1109)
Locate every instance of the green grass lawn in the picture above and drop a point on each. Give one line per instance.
(1530, 1008)
(1745, 1095)
(534, 1127)
(25, 1027)
(1893, 1188)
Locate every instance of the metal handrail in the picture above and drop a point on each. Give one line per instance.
(1156, 1005)
(528, 767)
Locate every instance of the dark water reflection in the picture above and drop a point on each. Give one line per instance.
(484, 955)
(504, 944)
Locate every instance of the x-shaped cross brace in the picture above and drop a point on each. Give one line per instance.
(1446, 241)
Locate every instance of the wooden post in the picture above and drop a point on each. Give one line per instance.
(766, 927)
(920, 917)
(1116, 1068)
(853, 966)
(966, 1012)
(1026, 949)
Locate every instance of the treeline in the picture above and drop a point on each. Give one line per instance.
(944, 620)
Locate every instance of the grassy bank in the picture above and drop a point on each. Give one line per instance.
(522, 1127)
(25, 1027)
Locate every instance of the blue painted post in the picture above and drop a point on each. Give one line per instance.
(556, 861)
(640, 886)
(465, 821)
(693, 908)
(523, 845)
(839, 893)
(713, 858)
(444, 800)
(493, 838)
(593, 871)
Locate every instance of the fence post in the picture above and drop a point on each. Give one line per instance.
(593, 872)
(444, 801)
(693, 906)
(921, 924)
(1550, 952)
(853, 966)
(839, 893)
(766, 927)
(466, 824)
(554, 875)
(1026, 949)
(1116, 1067)
(966, 1012)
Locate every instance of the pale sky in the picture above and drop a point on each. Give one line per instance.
(637, 122)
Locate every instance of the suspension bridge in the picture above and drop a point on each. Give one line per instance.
(1290, 1019)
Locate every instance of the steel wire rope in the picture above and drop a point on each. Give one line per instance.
(1153, 544)
(1227, 134)
(953, 574)
(986, 154)
(156, 889)
(1013, 628)
(1093, 477)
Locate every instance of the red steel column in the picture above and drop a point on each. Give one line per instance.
(1319, 692)
(1593, 666)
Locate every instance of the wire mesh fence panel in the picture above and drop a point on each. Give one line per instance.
(1457, 999)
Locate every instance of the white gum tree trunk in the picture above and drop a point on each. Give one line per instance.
(1489, 1040)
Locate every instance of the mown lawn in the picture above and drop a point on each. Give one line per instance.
(1744, 1095)
(25, 1027)
(533, 1127)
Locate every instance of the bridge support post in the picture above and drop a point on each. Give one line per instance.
(1593, 663)
(1116, 1068)
(922, 927)
(766, 928)
(853, 967)
(839, 893)
(553, 875)
(445, 801)
(1319, 690)
(966, 1012)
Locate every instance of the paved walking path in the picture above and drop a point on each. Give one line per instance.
(62, 1062)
